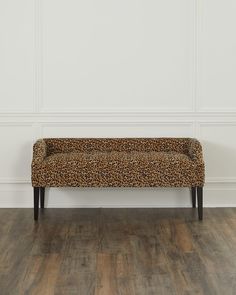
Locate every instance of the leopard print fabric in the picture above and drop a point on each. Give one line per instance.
(117, 162)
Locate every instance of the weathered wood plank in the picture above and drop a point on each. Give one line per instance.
(118, 251)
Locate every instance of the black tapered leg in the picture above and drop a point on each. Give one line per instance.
(193, 190)
(42, 194)
(200, 202)
(36, 203)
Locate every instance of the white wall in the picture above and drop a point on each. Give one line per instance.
(73, 68)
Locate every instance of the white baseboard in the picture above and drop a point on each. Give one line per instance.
(21, 196)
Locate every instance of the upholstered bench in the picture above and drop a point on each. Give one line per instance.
(118, 162)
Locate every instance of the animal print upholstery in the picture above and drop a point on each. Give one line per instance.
(117, 162)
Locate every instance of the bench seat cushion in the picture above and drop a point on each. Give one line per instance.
(118, 169)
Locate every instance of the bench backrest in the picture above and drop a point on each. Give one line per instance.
(62, 145)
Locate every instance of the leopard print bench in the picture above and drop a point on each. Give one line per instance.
(118, 162)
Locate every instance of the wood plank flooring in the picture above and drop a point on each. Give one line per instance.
(118, 251)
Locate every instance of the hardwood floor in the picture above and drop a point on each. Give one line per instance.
(118, 251)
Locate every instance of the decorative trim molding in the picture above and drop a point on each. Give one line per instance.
(201, 112)
(107, 123)
(17, 124)
(217, 110)
(116, 110)
(7, 111)
(195, 55)
(4, 180)
(214, 123)
(219, 180)
(120, 113)
(38, 53)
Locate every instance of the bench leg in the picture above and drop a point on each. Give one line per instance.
(36, 203)
(42, 194)
(193, 190)
(200, 202)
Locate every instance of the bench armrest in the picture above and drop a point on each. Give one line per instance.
(195, 151)
(39, 152)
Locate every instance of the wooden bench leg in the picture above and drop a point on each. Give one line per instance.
(36, 203)
(42, 194)
(193, 190)
(200, 202)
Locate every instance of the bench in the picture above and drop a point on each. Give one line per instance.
(118, 162)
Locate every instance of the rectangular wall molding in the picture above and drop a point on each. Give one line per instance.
(215, 54)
